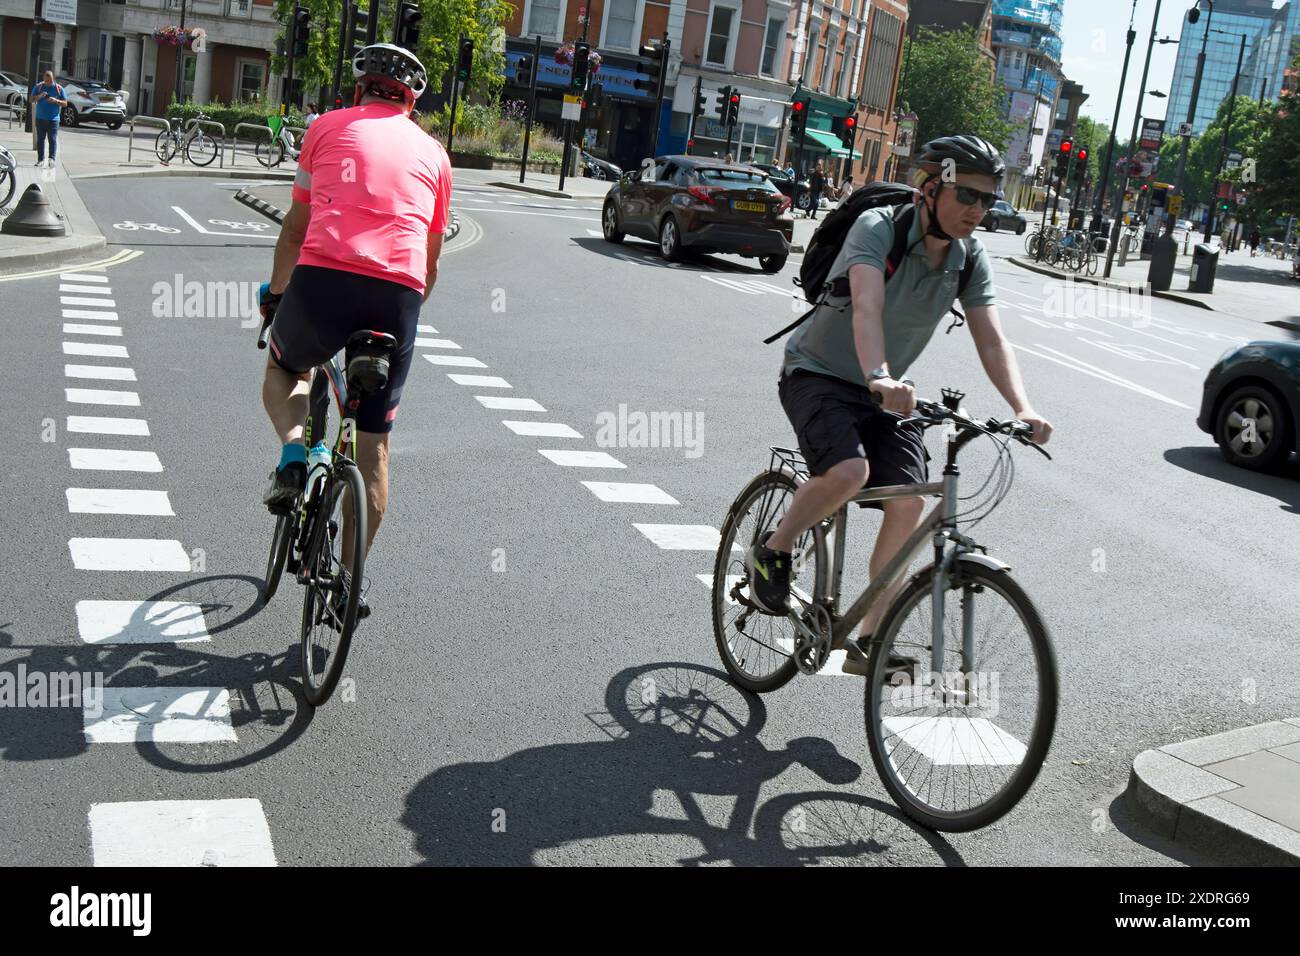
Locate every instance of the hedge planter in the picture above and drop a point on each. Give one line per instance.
(471, 160)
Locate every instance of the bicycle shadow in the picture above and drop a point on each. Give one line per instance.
(262, 699)
(677, 729)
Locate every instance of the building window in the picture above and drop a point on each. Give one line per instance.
(620, 24)
(842, 79)
(544, 18)
(772, 45)
(252, 78)
(720, 35)
(238, 8)
(827, 57)
(882, 60)
(809, 52)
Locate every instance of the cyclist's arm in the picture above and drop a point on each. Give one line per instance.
(431, 268)
(292, 233)
(867, 288)
(999, 361)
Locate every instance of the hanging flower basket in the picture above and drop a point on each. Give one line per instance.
(564, 55)
(176, 36)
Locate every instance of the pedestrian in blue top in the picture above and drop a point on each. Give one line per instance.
(49, 100)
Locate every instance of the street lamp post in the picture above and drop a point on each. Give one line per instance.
(1110, 142)
(1227, 125)
(1193, 15)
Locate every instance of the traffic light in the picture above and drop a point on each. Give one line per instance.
(338, 102)
(733, 109)
(524, 71)
(845, 127)
(581, 55)
(406, 32)
(1063, 156)
(301, 20)
(722, 107)
(799, 116)
(358, 20)
(465, 64)
(700, 103)
(649, 75)
(1081, 164)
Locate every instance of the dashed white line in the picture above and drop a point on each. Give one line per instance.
(99, 396)
(85, 300)
(111, 373)
(463, 361)
(119, 501)
(542, 429)
(94, 425)
(435, 343)
(630, 493)
(96, 349)
(682, 537)
(73, 329)
(82, 277)
(503, 403)
(141, 622)
(90, 314)
(95, 289)
(113, 459)
(478, 381)
(180, 833)
(426, 328)
(580, 459)
(128, 554)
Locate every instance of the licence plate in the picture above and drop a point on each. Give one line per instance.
(749, 206)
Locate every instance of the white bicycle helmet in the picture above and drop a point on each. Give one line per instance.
(390, 62)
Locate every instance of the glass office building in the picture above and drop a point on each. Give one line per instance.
(1275, 52)
(1027, 45)
(1254, 18)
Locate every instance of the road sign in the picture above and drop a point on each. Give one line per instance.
(1184, 129)
(60, 11)
(1175, 205)
(1025, 160)
(572, 108)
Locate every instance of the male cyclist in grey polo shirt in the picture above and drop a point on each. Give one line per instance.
(864, 342)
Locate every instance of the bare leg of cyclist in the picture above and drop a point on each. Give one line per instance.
(372, 459)
(818, 497)
(902, 517)
(286, 398)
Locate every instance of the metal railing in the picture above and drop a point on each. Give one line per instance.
(153, 121)
(221, 140)
(14, 112)
(234, 138)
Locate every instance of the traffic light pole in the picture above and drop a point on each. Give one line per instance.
(455, 89)
(659, 95)
(35, 66)
(532, 102)
(695, 112)
(286, 95)
(1191, 106)
(344, 30)
(372, 22)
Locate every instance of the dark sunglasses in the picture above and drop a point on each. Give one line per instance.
(969, 197)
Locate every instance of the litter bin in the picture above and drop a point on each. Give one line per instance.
(1205, 260)
(1164, 252)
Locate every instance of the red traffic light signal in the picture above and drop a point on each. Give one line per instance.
(338, 102)
(850, 122)
(1083, 155)
(796, 106)
(1066, 146)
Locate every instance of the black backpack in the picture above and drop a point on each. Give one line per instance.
(829, 237)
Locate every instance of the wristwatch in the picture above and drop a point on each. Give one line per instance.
(877, 373)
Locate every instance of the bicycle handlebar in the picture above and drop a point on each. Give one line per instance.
(933, 413)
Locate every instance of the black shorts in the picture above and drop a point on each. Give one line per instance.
(836, 420)
(321, 309)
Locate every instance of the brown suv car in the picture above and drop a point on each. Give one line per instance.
(702, 205)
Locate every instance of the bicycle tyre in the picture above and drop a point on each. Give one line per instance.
(8, 183)
(1044, 726)
(730, 564)
(201, 150)
(1094, 259)
(165, 146)
(345, 479)
(269, 152)
(280, 541)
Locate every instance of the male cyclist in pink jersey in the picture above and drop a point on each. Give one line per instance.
(358, 249)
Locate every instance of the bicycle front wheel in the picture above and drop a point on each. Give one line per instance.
(201, 150)
(165, 146)
(329, 610)
(269, 152)
(957, 749)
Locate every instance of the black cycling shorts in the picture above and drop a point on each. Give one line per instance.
(835, 420)
(321, 309)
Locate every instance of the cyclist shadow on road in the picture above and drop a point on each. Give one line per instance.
(677, 729)
(262, 697)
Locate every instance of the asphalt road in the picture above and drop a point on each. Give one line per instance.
(492, 707)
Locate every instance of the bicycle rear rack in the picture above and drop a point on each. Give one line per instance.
(789, 459)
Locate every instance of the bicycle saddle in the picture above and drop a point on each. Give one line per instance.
(367, 360)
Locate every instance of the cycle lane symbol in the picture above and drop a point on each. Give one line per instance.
(132, 226)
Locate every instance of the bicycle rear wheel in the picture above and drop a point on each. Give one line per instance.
(201, 150)
(955, 750)
(269, 152)
(337, 542)
(165, 146)
(280, 541)
(756, 648)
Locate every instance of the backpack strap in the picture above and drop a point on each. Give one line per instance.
(963, 280)
(903, 215)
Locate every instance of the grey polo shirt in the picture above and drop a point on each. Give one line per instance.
(916, 300)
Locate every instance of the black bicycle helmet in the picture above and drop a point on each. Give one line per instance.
(389, 62)
(970, 154)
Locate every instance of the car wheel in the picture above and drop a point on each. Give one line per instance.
(993, 225)
(1253, 428)
(1020, 230)
(597, 172)
(670, 243)
(772, 263)
(805, 201)
(69, 117)
(609, 223)
(114, 124)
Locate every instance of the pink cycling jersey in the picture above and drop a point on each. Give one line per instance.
(377, 185)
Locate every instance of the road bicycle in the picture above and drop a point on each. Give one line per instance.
(981, 700)
(1043, 238)
(271, 152)
(199, 148)
(321, 538)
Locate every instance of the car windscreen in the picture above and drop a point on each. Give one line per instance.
(735, 179)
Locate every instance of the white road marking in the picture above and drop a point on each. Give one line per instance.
(119, 501)
(479, 381)
(1139, 353)
(426, 328)
(70, 328)
(630, 493)
(581, 459)
(463, 361)
(1095, 372)
(89, 314)
(128, 554)
(502, 403)
(957, 741)
(180, 833)
(99, 396)
(94, 425)
(113, 459)
(208, 232)
(525, 212)
(92, 289)
(141, 622)
(436, 343)
(542, 429)
(682, 537)
(83, 277)
(108, 373)
(173, 715)
(83, 300)
(97, 349)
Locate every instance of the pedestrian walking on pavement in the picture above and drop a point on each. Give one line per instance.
(816, 183)
(313, 111)
(1254, 240)
(49, 99)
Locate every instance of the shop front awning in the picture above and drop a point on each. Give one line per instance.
(829, 142)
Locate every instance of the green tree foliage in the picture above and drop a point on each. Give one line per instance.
(948, 85)
(1094, 136)
(1275, 149)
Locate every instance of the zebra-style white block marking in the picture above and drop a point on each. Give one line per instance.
(426, 328)
(630, 493)
(94, 425)
(128, 554)
(506, 404)
(107, 373)
(141, 622)
(93, 289)
(436, 343)
(118, 501)
(479, 381)
(463, 361)
(82, 277)
(99, 396)
(70, 328)
(89, 314)
(957, 741)
(174, 715)
(180, 833)
(542, 429)
(113, 459)
(98, 349)
(682, 537)
(581, 459)
(87, 300)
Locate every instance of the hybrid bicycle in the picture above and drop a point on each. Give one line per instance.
(321, 538)
(982, 696)
(199, 148)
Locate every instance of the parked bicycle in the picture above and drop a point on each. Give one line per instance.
(960, 742)
(198, 146)
(271, 151)
(8, 177)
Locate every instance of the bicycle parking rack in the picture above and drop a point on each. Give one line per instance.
(154, 121)
(13, 111)
(221, 140)
(234, 138)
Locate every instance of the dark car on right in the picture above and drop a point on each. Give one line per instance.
(1251, 404)
(1004, 216)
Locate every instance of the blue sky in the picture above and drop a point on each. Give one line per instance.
(1093, 54)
